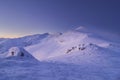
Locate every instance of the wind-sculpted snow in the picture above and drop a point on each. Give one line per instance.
(98, 57)
(73, 55)
(62, 44)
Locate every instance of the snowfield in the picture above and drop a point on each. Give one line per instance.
(33, 70)
(74, 55)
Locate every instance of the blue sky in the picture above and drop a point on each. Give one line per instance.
(23, 17)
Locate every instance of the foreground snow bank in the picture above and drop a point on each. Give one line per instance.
(33, 70)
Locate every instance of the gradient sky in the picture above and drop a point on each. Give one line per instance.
(23, 17)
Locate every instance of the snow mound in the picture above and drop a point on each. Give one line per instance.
(18, 52)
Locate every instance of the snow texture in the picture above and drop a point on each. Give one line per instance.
(74, 55)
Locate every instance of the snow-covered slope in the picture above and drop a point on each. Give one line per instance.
(5, 44)
(66, 43)
(97, 57)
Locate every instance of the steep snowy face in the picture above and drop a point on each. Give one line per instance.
(90, 54)
(66, 43)
(5, 44)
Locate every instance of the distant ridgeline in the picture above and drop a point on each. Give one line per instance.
(6, 43)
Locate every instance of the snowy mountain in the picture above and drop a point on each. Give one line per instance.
(79, 54)
(67, 43)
